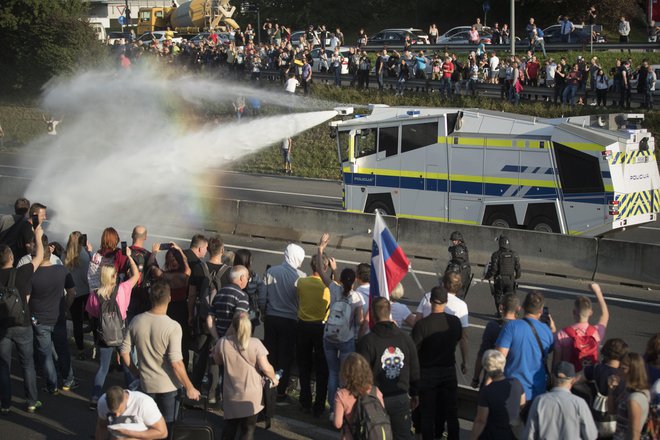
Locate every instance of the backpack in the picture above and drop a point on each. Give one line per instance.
(140, 301)
(585, 347)
(605, 422)
(12, 309)
(111, 324)
(370, 421)
(338, 327)
(202, 307)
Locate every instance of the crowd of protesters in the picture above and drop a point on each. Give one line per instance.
(240, 56)
(192, 321)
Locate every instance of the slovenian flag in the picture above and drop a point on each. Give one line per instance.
(388, 262)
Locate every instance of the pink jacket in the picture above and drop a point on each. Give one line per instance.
(123, 299)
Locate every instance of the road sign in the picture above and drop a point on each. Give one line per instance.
(486, 6)
(120, 9)
(122, 20)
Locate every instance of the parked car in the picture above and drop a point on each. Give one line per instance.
(295, 38)
(118, 36)
(147, 37)
(316, 59)
(463, 37)
(397, 37)
(451, 32)
(581, 34)
(223, 38)
(656, 67)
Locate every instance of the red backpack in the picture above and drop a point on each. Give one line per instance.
(585, 347)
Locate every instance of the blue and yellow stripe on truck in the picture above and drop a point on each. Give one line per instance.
(637, 203)
(631, 157)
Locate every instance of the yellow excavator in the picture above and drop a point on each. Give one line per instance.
(188, 18)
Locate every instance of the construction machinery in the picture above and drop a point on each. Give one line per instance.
(188, 18)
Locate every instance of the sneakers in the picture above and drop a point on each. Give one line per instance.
(4, 411)
(71, 385)
(93, 403)
(36, 405)
(54, 392)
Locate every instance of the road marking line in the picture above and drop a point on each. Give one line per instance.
(648, 227)
(273, 192)
(18, 168)
(16, 177)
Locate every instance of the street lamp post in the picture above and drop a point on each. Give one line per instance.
(513, 27)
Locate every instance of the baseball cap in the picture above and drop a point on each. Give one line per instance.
(439, 295)
(564, 370)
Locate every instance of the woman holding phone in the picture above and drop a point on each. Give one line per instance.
(176, 272)
(110, 290)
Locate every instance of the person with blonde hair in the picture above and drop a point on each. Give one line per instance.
(110, 290)
(500, 401)
(245, 361)
(358, 381)
(76, 258)
(629, 402)
(401, 314)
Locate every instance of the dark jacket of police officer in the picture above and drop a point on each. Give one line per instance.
(460, 260)
(505, 269)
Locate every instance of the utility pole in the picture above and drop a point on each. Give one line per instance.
(513, 27)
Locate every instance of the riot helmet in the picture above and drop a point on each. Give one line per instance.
(504, 242)
(456, 235)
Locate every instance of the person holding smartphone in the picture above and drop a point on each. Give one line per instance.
(177, 274)
(24, 240)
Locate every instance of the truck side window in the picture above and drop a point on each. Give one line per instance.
(579, 172)
(388, 141)
(343, 145)
(365, 142)
(451, 122)
(416, 136)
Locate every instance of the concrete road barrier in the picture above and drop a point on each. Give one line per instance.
(539, 252)
(224, 218)
(630, 263)
(347, 230)
(9, 187)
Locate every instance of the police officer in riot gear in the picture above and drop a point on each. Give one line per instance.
(504, 267)
(460, 259)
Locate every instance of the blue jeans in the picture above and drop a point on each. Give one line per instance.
(168, 404)
(61, 345)
(335, 353)
(23, 339)
(445, 84)
(570, 92)
(105, 358)
(43, 344)
(338, 76)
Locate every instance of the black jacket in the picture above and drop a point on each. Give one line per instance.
(393, 358)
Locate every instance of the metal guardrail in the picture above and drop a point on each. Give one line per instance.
(521, 47)
(486, 90)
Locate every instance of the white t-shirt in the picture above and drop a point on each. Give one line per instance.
(141, 412)
(494, 63)
(550, 70)
(354, 299)
(364, 291)
(291, 85)
(399, 313)
(455, 306)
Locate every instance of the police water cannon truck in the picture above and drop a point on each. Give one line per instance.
(580, 175)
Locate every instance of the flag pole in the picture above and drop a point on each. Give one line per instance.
(410, 271)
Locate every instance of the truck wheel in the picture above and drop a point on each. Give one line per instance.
(501, 220)
(543, 224)
(380, 207)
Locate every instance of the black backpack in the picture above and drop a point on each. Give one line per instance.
(12, 309)
(140, 301)
(111, 324)
(202, 307)
(370, 421)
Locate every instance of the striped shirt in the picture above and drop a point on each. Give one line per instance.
(229, 300)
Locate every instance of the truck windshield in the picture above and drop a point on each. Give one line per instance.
(342, 139)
